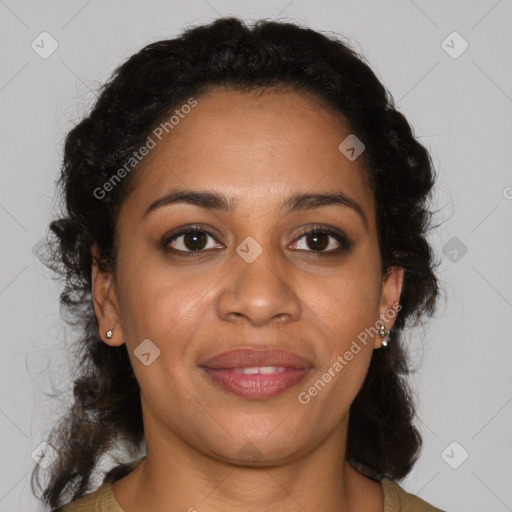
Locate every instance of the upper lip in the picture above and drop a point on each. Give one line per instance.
(243, 358)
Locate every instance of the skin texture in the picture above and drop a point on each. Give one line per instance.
(257, 150)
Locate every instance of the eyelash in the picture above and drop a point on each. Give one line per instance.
(340, 237)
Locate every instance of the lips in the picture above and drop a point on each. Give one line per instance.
(256, 374)
(243, 358)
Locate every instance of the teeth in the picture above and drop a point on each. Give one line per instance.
(248, 371)
(260, 369)
(271, 369)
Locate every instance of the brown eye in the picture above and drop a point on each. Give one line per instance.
(323, 240)
(190, 240)
(194, 240)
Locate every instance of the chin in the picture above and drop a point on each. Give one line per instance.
(259, 449)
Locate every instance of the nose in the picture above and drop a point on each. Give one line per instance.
(259, 292)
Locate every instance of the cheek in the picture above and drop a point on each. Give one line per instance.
(158, 302)
(158, 306)
(329, 397)
(348, 302)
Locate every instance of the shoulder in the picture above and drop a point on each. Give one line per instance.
(101, 499)
(397, 499)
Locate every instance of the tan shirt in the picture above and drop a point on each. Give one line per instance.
(396, 499)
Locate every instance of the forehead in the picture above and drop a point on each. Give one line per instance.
(257, 148)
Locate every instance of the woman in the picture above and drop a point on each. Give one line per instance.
(243, 241)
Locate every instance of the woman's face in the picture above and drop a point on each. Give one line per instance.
(248, 278)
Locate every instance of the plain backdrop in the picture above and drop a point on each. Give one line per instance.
(446, 63)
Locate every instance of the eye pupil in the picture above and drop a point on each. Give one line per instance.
(318, 246)
(196, 238)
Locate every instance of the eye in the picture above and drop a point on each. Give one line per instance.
(193, 239)
(319, 239)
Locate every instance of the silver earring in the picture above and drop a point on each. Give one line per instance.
(382, 334)
(108, 335)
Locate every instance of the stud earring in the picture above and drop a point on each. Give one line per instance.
(382, 334)
(108, 335)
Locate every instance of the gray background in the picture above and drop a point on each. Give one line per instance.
(460, 109)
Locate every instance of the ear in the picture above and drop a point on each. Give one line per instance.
(104, 299)
(390, 298)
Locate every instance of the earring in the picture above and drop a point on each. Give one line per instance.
(108, 335)
(382, 334)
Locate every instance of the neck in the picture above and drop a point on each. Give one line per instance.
(181, 478)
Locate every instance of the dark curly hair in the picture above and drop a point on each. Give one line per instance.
(106, 413)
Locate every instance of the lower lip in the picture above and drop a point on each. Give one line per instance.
(256, 386)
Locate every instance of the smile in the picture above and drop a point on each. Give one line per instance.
(255, 373)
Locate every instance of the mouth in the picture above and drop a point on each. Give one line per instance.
(256, 374)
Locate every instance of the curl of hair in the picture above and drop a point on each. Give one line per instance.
(382, 440)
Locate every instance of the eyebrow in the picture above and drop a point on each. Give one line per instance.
(219, 202)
